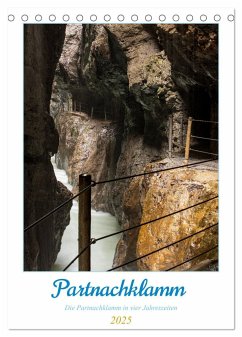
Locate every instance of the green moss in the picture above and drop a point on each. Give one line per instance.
(74, 133)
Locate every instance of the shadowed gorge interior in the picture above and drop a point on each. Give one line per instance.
(113, 100)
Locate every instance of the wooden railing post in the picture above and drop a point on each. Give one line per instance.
(188, 139)
(84, 223)
(170, 135)
(69, 103)
(181, 135)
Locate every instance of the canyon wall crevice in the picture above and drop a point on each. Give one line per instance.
(42, 192)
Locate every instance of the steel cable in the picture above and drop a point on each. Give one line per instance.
(194, 150)
(57, 208)
(93, 183)
(93, 241)
(150, 221)
(205, 138)
(202, 121)
(167, 246)
(192, 258)
(152, 172)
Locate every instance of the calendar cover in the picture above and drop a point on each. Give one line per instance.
(123, 158)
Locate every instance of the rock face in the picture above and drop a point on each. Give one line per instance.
(166, 193)
(66, 78)
(126, 82)
(42, 192)
(85, 147)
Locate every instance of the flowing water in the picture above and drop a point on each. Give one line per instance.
(102, 223)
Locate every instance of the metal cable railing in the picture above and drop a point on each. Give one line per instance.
(205, 152)
(162, 248)
(200, 120)
(204, 121)
(153, 172)
(93, 241)
(205, 138)
(94, 183)
(192, 258)
(75, 258)
(189, 136)
(79, 107)
(57, 208)
(200, 151)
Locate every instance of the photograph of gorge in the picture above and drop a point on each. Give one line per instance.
(135, 107)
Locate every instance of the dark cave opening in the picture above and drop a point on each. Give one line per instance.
(203, 108)
(104, 108)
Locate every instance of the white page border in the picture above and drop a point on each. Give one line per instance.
(226, 188)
